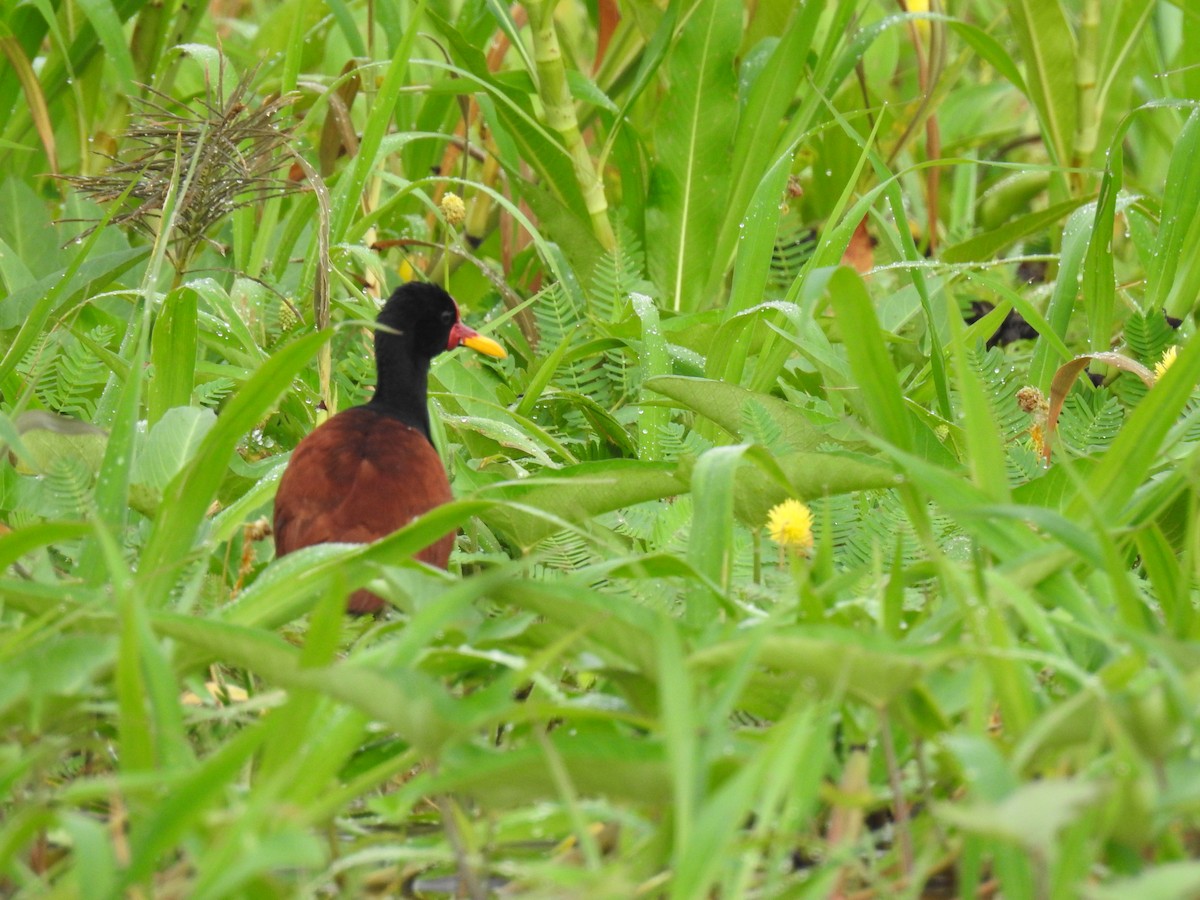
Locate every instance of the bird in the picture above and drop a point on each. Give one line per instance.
(372, 469)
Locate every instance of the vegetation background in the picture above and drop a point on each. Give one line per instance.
(740, 252)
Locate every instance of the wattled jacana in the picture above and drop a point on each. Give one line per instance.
(372, 469)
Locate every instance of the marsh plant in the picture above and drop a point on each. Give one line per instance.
(182, 168)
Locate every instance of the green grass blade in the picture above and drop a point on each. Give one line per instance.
(869, 360)
(1048, 45)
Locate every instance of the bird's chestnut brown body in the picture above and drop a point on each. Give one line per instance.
(359, 477)
(372, 469)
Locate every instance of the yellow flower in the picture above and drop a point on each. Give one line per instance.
(453, 208)
(1038, 436)
(790, 524)
(1168, 357)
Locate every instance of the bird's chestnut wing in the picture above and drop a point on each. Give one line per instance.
(357, 478)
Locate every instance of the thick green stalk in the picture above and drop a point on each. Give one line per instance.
(1086, 77)
(560, 115)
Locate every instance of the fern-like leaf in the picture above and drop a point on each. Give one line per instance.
(616, 276)
(69, 488)
(793, 248)
(1000, 384)
(211, 393)
(556, 316)
(759, 427)
(1089, 422)
(1148, 335)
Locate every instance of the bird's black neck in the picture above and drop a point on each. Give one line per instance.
(402, 390)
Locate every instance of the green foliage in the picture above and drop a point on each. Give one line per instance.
(635, 680)
(66, 373)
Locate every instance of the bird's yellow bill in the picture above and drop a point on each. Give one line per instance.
(485, 345)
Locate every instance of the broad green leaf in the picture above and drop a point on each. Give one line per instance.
(985, 444)
(810, 475)
(172, 441)
(1165, 881)
(652, 418)
(505, 435)
(112, 484)
(96, 859)
(14, 271)
(1010, 197)
(598, 761)
(65, 665)
(688, 185)
(50, 439)
(580, 492)
(756, 239)
(288, 848)
(30, 248)
(1076, 235)
(830, 661)
(173, 353)
(723, 403)
(680, 718)
(617, 633)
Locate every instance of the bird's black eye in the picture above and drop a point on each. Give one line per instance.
(447, 317)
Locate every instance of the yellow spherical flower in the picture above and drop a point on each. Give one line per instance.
(1168, 357)
(790, 524)
(453, 208)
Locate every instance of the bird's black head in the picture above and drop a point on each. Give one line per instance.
(417, 320)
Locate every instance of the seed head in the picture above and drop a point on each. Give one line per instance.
(453, 209)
